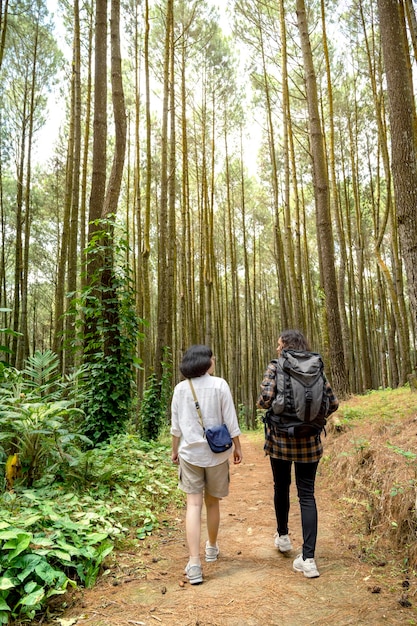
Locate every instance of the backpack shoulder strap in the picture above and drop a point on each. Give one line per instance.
(284, 385)
(279, 373)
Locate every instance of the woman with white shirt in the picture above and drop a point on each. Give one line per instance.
(202, 473)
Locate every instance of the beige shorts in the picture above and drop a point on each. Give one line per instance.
(215, 480)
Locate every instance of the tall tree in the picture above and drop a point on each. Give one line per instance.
(165, 291)
(109, 296)
(402, 117)
(323, 217)
(4, 7)
(68, 260)
(98, 175)
(75, 163)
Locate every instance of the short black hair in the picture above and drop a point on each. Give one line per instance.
(196, 361)
(294, 340)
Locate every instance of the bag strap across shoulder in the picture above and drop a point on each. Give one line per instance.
(197, 406)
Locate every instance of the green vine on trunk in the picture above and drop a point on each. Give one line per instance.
(109, 341)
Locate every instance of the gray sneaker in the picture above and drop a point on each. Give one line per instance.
(283, 543)
(212, 552)
(194, 574)
(307, 566)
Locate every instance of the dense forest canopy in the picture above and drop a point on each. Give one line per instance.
(220, 173)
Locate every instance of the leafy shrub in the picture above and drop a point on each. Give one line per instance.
(136, 476)
(36, 423)
(27, 578)
(42, 551)
(41, 375)
(121, 486)
(39, 434)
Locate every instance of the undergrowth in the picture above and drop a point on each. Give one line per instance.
(64, 502)
(370, 456)
(57, 535)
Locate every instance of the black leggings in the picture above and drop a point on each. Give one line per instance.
(305, 476)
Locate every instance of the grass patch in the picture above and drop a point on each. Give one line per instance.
(382, 404)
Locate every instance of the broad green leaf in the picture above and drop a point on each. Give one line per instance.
(64, 556)
(106, 552)
(44, 542)
(31, 520)
(12, 533)
(63, 584)
(18, 545)
(69, 525)
(3, 605)
(60, 554)
(34, 598)
(31, 586)
(31, 494)
(96, 538)
(47, 573)
(29, 558)
(30, 561)
(6, 583)
(70, 497)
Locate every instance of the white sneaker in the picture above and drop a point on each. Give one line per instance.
(283, 543)
(307, 566)
(194, 574)
(212, 552)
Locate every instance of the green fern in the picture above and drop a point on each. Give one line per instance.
(41, 375)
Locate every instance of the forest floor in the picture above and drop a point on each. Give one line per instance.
(251, 584)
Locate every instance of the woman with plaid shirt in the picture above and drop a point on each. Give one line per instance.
(305, 453)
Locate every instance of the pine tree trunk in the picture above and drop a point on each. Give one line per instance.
(323, 218)
(403, 138)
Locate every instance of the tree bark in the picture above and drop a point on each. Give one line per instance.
(98, 177)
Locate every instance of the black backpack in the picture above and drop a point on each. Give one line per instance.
(301, 406)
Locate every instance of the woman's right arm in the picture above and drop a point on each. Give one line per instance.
(175, 424)
(175, 445)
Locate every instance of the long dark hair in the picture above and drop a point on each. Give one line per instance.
(196, 361)
(294, 340)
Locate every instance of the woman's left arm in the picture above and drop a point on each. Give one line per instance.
(237, 451)
(268, 388)
(333, 401)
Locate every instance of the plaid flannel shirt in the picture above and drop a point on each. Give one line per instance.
(278, 445)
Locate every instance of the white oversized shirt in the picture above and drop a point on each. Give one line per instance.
(216, 405)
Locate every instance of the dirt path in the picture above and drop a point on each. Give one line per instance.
(251, 584)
